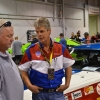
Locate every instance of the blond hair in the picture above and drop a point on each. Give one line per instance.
(42, 22)
(2, 21)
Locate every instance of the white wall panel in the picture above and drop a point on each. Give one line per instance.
(54, 23)
(49, 11)
(55, 31)
(24, 8)
(69, 12)
(7, 7)
(74, 23)
(78, 13)
(39, 10)
(23, 23)
(76, 17)
(32, 9)
(80, 3)
(73, 13)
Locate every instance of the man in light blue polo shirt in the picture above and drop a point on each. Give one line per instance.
(11, 85)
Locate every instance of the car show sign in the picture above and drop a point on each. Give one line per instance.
(91, 92)
(93, 10)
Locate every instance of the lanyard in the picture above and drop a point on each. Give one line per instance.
(51, 57)
(48, 60)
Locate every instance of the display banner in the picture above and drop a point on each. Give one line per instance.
(91, 92)
(94, 10)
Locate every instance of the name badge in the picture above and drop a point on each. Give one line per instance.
(50, 73)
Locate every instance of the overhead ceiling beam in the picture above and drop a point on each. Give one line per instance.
(38, 2)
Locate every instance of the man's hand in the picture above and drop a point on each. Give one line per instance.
(35, 89)
(62, 88)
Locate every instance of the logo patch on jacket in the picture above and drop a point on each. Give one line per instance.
(38, 54)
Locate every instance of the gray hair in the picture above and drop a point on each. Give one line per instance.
(42, 21)
(2, 21)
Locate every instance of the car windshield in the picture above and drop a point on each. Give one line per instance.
(86, 58)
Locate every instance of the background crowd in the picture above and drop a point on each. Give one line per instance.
(87, 38)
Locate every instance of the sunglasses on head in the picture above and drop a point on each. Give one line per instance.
(6, 24)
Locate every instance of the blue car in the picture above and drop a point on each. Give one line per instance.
(90, 57)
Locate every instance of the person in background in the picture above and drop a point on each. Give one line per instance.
(93, 38)
(78, 36)
(16, 50)
(46, 61)
(87, 38)
(98, 37)
(62, 40)
(34, 39)
(11, 85)
(72, 36)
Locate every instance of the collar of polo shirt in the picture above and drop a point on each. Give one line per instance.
(51, 43)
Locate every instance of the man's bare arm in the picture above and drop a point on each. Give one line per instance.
(26, 80)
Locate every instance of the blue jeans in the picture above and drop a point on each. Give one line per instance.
(48, 96)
